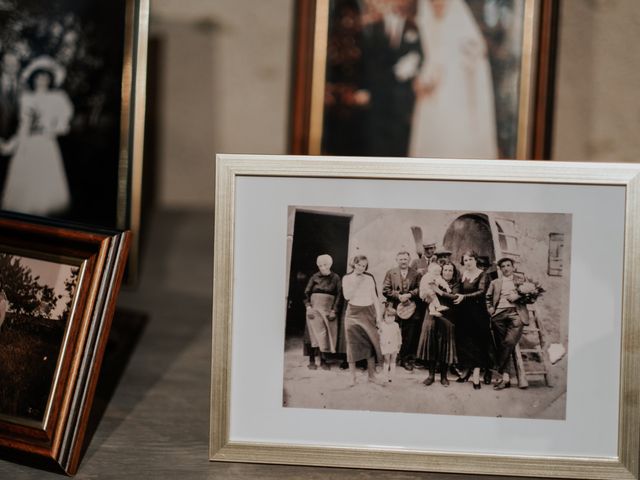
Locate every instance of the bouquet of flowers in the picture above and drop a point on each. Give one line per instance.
(529, 291)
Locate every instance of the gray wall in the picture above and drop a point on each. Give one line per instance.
(598, 108)
(224, 88)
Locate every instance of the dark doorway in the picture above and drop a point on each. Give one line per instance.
(313, 234)
(470, 232)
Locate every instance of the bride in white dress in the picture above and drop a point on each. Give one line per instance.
(454, 115)
(36, 179)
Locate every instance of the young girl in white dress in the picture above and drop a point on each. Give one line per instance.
(390, 342)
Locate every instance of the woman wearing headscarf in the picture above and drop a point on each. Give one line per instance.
(437, 344)
(322, 300)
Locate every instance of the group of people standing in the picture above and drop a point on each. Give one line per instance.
(432, 314)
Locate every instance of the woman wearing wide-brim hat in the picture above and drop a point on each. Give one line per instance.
(36, 179)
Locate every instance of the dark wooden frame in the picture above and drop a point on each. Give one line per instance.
(127, 159)
(308, 28)
(59, 437)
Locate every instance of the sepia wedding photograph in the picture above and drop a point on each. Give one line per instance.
(428, 311)
(424, 78)
(36, 299)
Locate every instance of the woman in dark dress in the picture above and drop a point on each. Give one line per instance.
(437, 346)
(472, 320)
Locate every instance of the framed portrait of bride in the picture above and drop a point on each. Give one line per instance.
(424, 78)
(72, 81)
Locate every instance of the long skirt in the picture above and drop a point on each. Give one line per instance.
(437, 344)
(363, 340)
(323, 333)
(473, 337)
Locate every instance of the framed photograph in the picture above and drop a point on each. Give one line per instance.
(72, 91)
(424, 78)
(58, 288)
(451, 315)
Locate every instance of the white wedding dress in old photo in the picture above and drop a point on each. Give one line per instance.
(36, 179)
(456, 118)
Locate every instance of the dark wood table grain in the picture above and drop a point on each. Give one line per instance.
(153, 400)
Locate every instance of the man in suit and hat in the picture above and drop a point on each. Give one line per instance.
(401, 289)
(508, 317)
(426, 256)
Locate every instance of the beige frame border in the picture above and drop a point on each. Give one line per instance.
(229, 167)
(132, 120)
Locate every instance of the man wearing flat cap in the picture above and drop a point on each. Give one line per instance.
(425, 257)
(508, 317)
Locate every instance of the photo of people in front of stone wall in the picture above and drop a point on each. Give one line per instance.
(428, 311)
(36, 298)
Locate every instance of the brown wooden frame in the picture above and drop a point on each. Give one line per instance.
(536, 103)
(127, 158)
(102, 256)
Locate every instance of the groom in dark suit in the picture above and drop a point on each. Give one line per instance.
(392, 56)
(401, 289)
(508, 317)
(9, 108)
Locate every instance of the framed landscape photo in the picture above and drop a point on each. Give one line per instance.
(58, 288)
(424, 78)
(446, 315)
(72, 92)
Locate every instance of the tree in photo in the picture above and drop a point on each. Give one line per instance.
(69, 288)
(24, 292)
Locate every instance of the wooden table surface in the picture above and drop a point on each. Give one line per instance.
(153, 400)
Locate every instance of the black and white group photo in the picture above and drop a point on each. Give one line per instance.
(36, 299)
(428, 311)
(60, 93)
(423, 78)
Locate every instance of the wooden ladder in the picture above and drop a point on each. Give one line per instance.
(534, 333)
